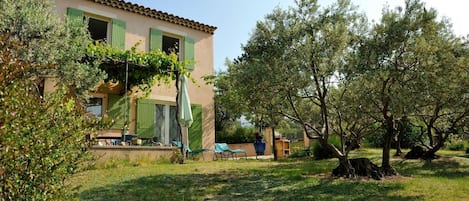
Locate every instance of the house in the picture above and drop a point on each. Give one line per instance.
(123, 24)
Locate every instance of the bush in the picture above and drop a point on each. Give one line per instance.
(298, 150)
(299, 154)
(407, 141)
(320, 152)
(238, 135)
(42, 143)
(42, 135)
(375, 140)
(457, 145)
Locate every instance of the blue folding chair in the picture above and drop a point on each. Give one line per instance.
(189, 151)
(222, 149)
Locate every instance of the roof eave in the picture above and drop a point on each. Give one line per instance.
(156, 14)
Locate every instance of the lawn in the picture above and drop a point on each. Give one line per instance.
(290, 179)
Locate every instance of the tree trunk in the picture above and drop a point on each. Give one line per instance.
(348, 171)
(398, 145)
(358, 167)
(430, 154)
(345, 168)
(386, 167)
(435, 144)
(418, 152)
(429, 134)
(183, 151)
(274, 147)
(402, 131)
(415, 153)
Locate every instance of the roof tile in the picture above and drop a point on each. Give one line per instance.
(160, 15)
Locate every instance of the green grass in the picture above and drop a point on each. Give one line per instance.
(288, 179)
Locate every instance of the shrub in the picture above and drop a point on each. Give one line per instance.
(376, 139)
(237, 135)
(299, 154)
(42, 140)
(41, 144)
(320, 152)
(457, 145)
(298, 150)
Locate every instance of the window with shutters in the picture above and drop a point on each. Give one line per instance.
(171, 44)
(98, 28)
(156, 120)
(101, 28)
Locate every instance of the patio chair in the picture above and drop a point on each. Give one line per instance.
(116, 141)
(189, 151)
(222, 149)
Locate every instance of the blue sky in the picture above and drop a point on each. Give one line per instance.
(235, 19)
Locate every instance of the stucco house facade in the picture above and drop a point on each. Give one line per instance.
(123, 24)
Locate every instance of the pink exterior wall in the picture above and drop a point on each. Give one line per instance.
(137, 30)
(248, 147)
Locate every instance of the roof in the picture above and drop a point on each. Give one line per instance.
(156, 14)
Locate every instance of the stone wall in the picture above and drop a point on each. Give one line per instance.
(132, 153)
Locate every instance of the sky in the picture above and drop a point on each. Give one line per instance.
(236, 19)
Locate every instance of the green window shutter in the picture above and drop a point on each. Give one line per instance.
(74, 14)
(156, 39)
(116, 110)
(195, 131)
(118, 34)
(145, 118)
(189, 52)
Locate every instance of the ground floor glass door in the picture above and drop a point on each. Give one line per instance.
(166, 126)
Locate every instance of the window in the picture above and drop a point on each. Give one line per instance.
(166, 126)
(183, 46)
(171, 45)
(98, 29)
(157, 119)
(95, 106)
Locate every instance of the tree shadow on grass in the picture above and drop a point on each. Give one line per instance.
(448, 167)
(259, 184)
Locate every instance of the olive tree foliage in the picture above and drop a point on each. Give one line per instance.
(386, 61)
(59, 47)
(348, 118)
(397, 64)
(258, 75)
(228, 105)
(324, 39)
(442, 85)
(42, 138)
(291, 62)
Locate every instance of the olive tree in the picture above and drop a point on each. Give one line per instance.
(291, 62)
(407, 67)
